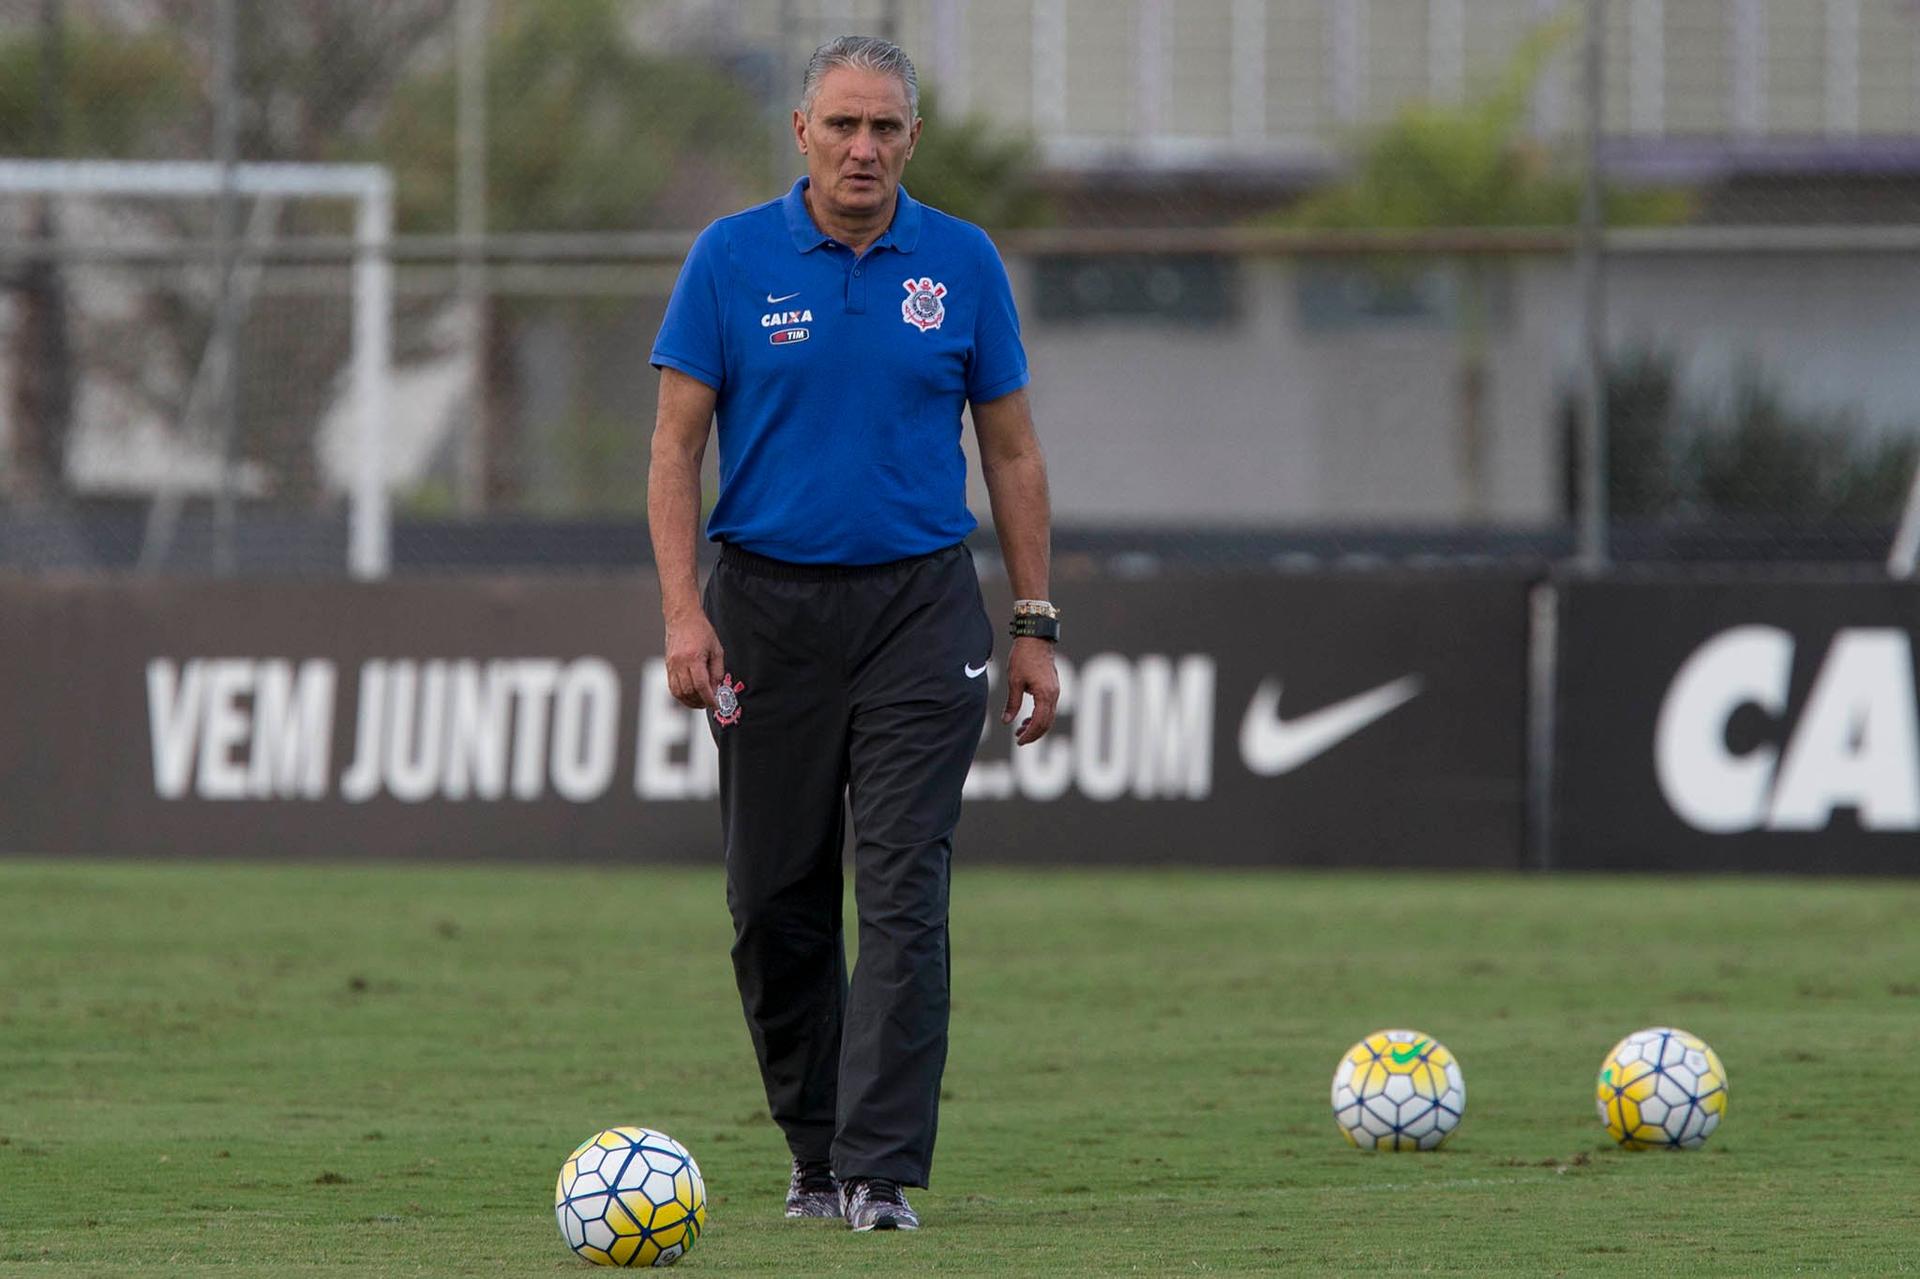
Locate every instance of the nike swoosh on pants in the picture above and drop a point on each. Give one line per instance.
(1271, 745)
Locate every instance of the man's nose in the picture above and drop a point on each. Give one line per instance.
(865, 146)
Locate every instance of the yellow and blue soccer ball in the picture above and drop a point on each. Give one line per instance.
(1398, 1090)
(630, 1197)
(1661, 1088)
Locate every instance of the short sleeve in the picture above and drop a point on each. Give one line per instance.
(692, 337)
(999, 364)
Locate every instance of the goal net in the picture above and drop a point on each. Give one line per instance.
(183, 340)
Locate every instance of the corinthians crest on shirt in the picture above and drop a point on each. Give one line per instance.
(923, 308)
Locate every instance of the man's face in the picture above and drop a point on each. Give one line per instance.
(856, 139)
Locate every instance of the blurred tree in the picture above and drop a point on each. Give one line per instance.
(1759, 454)
(116, 94)
(1646, 430)
(316, 78)
(317, 75)
(67, 89)
(1471, 165)
(973, 169)
(585, 132)
(1752, 452)
(313, 73)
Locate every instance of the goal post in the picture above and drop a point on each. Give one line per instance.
(370, 188)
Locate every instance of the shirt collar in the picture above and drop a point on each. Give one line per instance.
(806, 236)
(902, 235)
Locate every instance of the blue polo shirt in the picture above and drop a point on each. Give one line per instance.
(841, 379)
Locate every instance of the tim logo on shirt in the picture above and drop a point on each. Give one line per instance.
(784, 325)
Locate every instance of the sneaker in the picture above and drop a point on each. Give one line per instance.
(812, 1191)
(874, 1203)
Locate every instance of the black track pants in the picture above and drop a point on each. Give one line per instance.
(860, 688)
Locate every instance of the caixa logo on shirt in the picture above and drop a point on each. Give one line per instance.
(1734, 753)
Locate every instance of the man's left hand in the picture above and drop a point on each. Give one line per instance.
(1030, 672)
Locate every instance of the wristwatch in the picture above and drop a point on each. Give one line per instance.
(1035, 619)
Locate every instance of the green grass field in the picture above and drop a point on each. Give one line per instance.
(244, 1070)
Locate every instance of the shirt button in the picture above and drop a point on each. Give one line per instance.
(856, 270)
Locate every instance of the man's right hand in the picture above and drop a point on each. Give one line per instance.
(695, 661)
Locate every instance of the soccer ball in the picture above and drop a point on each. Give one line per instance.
(1661, 1087)
(630, 1197)
(1398, 1090)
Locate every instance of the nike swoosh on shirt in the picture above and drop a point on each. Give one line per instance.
(975, 672)
(1271, 745)
(783, 297)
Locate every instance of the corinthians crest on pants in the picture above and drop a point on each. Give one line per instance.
(923, 308)
(727, 700)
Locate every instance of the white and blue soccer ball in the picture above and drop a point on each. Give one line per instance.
(630, 1197)
(1661, 1088)
(1398, 1090)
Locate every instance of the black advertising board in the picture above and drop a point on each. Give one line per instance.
(1365, 719)
(317, 720)
(1748, 724)
(1330, 720)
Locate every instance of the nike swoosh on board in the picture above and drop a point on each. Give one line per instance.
(783, 297)
(1271, 745)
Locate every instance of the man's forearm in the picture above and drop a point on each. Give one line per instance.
(673, 520)
(1022, 518)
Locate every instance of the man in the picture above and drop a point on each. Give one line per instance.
(841, 644)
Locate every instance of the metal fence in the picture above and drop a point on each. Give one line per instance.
(1231, 366)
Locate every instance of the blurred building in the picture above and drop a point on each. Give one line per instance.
(1198, 386)
(1239, 94)
(1182, 379)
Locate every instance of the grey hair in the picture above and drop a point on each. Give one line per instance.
(864, 53)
